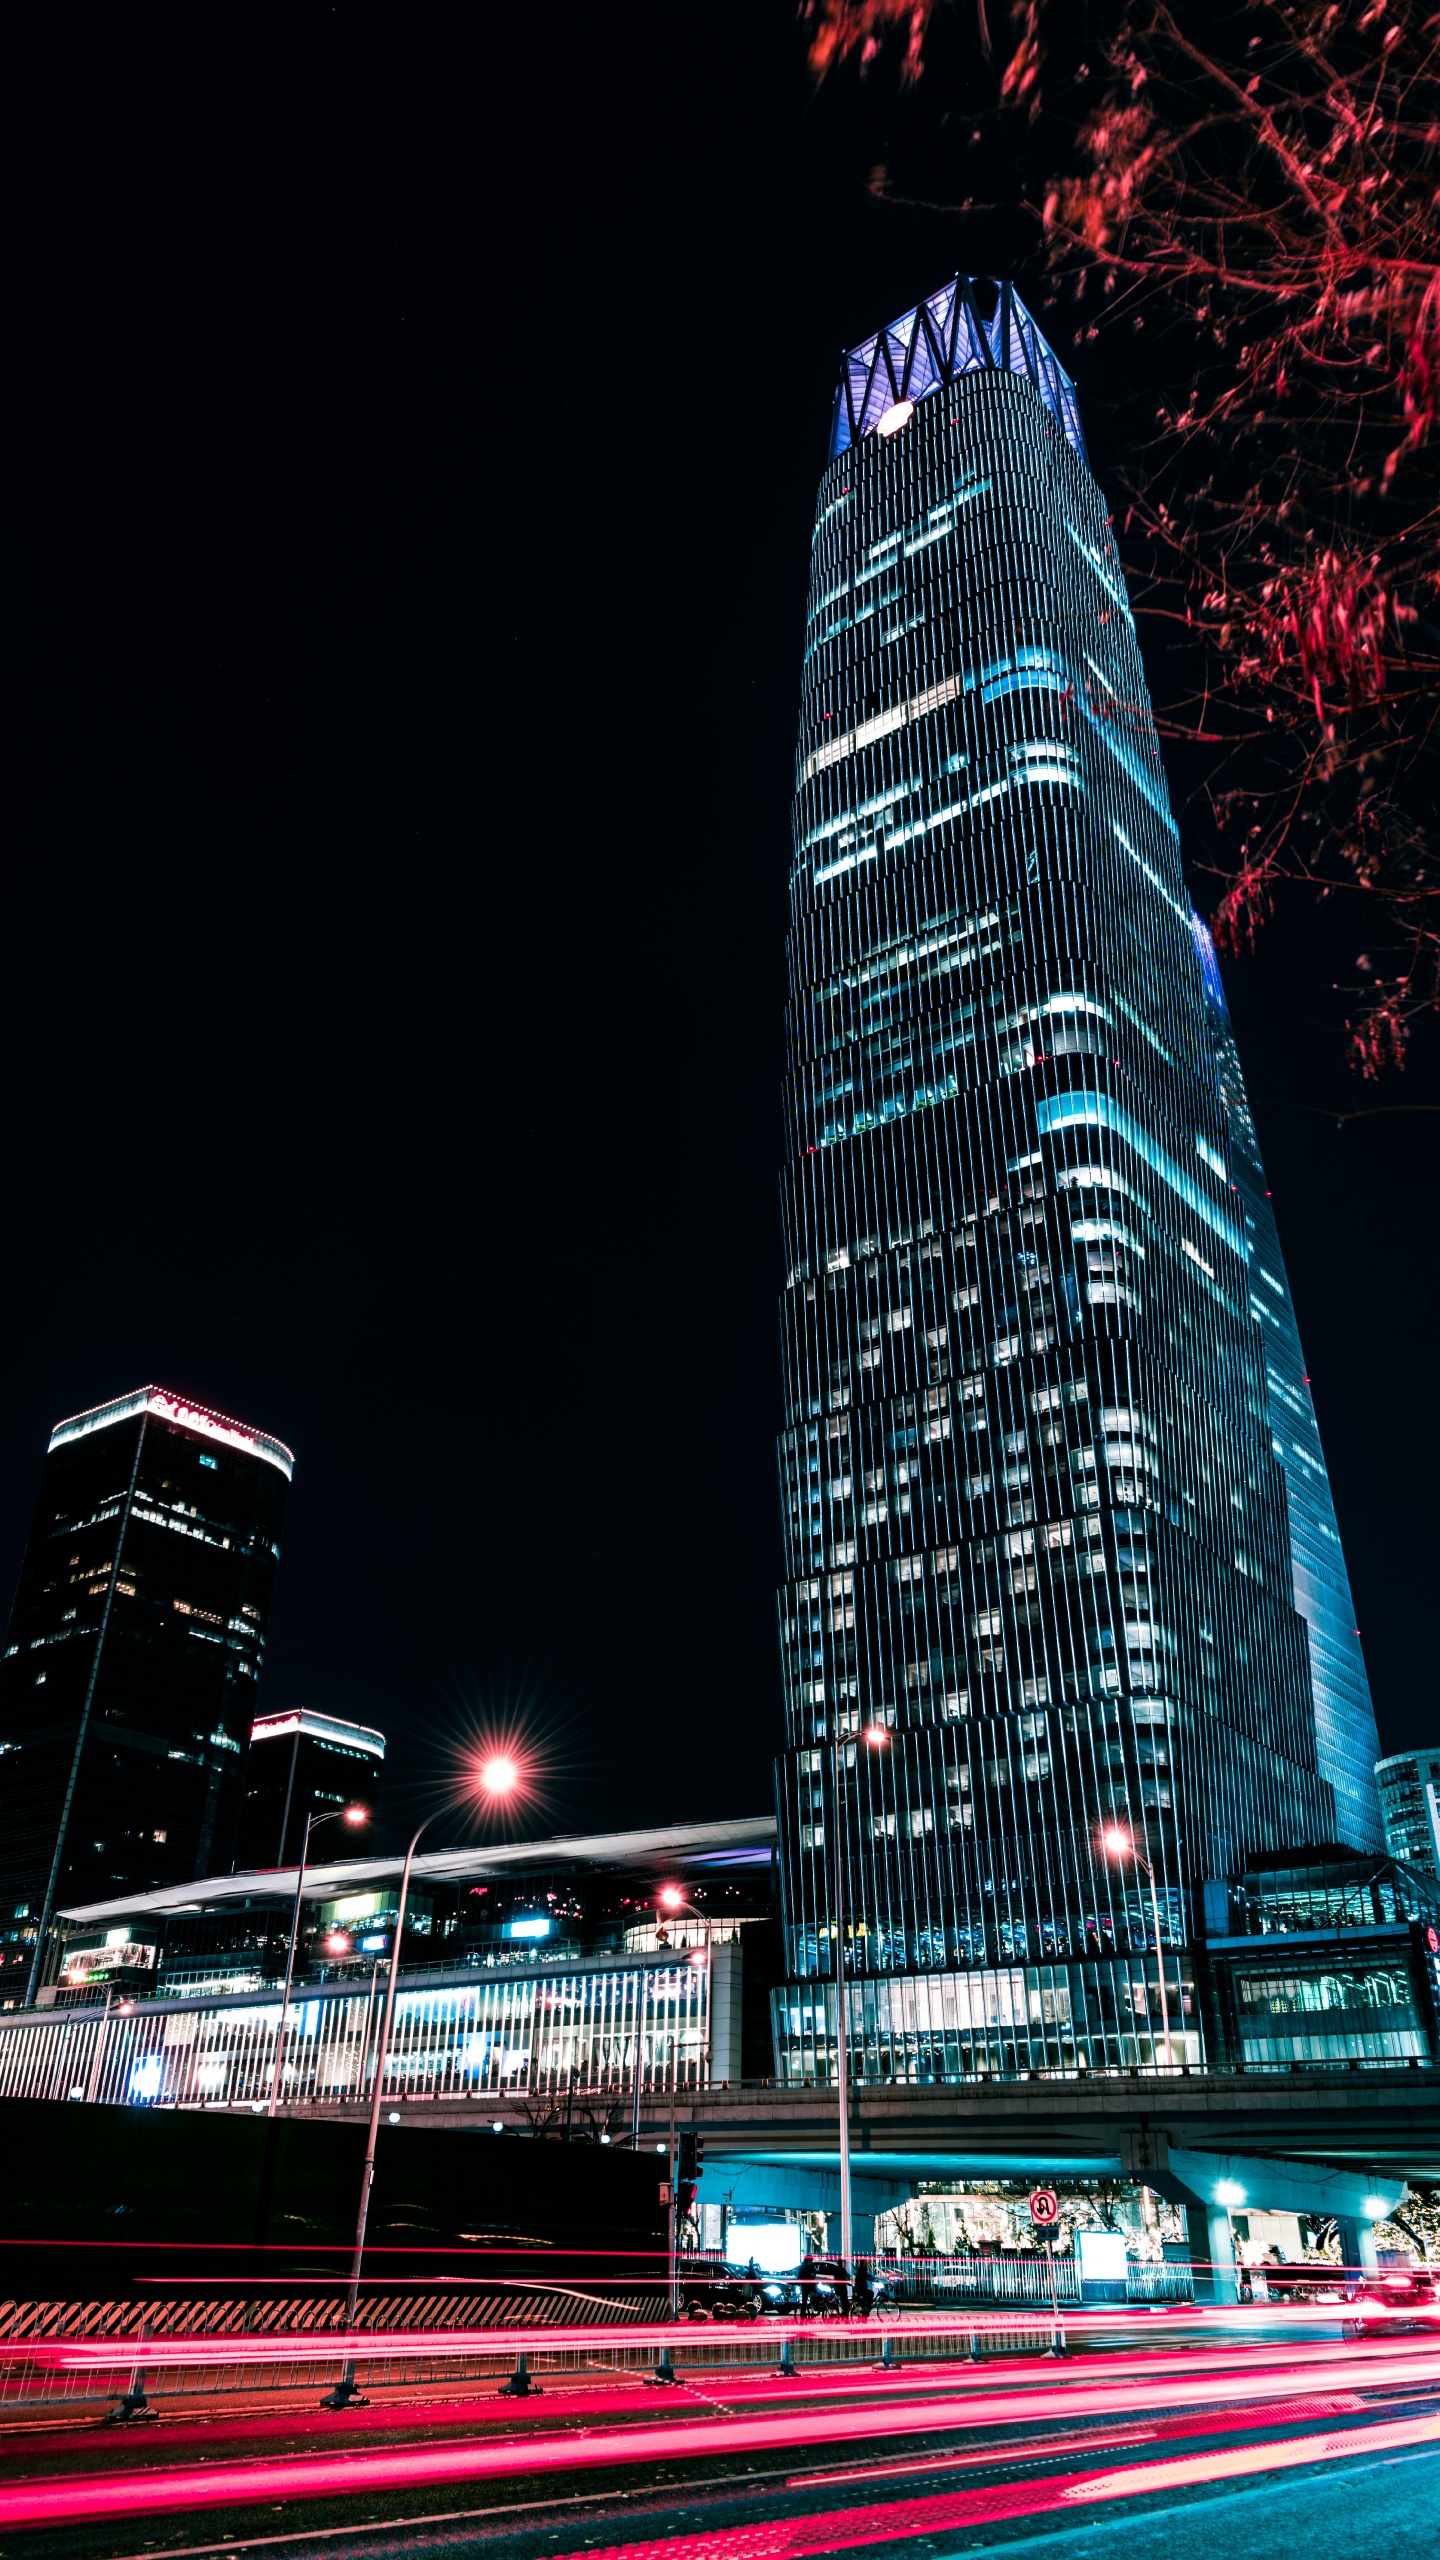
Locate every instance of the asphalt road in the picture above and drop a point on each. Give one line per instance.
(1310, 2443)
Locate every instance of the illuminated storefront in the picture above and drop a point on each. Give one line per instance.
(531, 1970)
(523, 2035)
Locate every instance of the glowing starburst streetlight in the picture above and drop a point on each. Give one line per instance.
(499, 1775)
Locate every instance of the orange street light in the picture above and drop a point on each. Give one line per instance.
(875, 1735)
(499, 1774)
(1123, 1844)
(354, 1814)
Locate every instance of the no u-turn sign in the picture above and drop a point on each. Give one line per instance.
(1044, 2206)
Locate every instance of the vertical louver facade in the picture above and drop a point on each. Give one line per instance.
(1036, 1526)
(1346, 1738)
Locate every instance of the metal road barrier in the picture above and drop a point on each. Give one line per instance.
(564, 2306)
(51, 2368)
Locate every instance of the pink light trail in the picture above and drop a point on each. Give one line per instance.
(364, 2470)
(851, 2528)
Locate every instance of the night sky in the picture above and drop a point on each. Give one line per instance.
(418, 443)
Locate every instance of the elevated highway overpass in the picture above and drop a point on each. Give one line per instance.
(1345, 2143)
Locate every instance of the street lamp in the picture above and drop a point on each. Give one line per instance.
(122, 2009)
(671, 1899)
(497, 1776)
(1122, 1844)
(354, 1814)
(876, 1736)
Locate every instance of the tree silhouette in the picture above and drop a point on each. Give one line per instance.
(1251, 187)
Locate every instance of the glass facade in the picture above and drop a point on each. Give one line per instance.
(1335, 1962)
(520, 2035)
(1036, 1524)
(1409, 1783)
(1344, 1717)
(533, 1969)
(130, 1674)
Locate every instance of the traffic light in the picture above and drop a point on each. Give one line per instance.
(692, 2156)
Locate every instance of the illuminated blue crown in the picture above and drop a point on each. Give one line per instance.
(936, 343)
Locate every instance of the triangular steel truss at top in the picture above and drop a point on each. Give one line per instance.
(935, 343)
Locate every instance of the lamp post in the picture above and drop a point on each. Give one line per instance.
(122, 2009)
(1123, 1844)
(876, 1736)
(672, 1899)
(354, 1814)
(499, 1776)
(639, 2071)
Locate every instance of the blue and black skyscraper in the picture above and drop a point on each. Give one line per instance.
(1043, 1523)
(1344, 1717)
(130, 1675)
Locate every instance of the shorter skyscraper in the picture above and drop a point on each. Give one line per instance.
(129, 1679)
(1409, 1783)
(300, 1763)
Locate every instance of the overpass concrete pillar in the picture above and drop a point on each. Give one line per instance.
(1216, 2281)
(1357, 2245)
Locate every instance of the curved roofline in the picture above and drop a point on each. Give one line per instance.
(168, 1407)
(717, 1844)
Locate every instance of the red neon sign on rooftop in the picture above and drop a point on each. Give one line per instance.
(188, 1417)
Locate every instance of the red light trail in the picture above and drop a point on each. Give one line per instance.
(230, 2348)
(850, 2529)
(1258, 2396)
